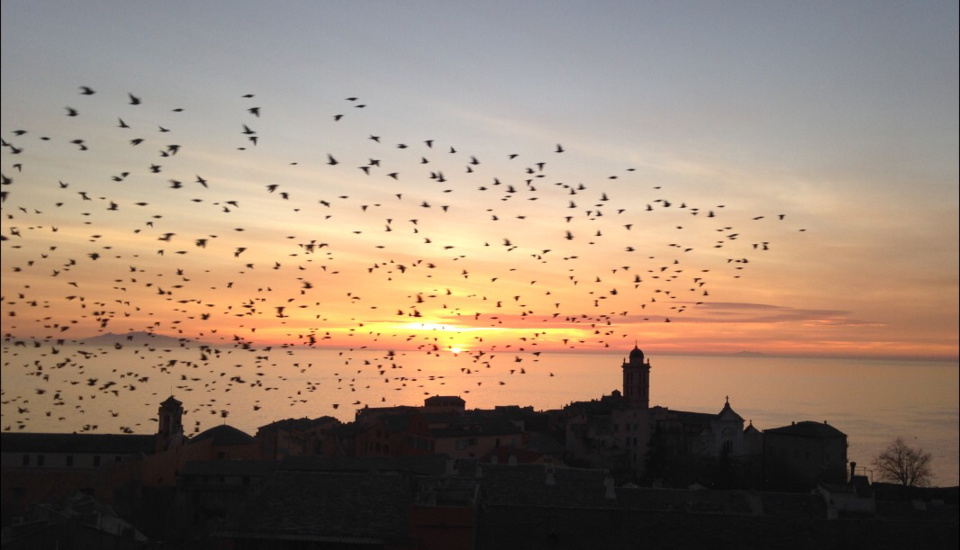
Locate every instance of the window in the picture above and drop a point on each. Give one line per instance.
(26, 460)
(96, 460)
(40, 460)
(69, 461)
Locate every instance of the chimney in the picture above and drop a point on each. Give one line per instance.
(853, 470)
(610, 493)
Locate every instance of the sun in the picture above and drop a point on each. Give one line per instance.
(455, 350)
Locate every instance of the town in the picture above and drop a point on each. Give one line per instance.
(609, 472)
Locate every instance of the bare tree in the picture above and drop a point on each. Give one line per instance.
(903, 464)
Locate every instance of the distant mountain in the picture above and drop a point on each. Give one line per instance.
(137, 338)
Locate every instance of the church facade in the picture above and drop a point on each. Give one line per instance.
(623, 433)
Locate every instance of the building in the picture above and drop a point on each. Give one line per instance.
(623, 433)
(49, 468)
(441, 426)
(298, 437)
(802, 454)
(114, 469)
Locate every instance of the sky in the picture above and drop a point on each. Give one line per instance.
(690, 177)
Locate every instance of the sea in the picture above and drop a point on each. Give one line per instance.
(118, 389)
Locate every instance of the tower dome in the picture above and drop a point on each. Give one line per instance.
(636, 356)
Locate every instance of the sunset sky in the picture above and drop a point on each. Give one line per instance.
(768, 177)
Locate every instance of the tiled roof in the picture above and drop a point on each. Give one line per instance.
(793, 505)
(299, 423)
(444, 400)
(323, 506)
(539, 485)
(428, 464)
(808, 428)
(701, 419)
(446, 491)
(229, 468)
(224, 436)
(684, 500)
(120, 444)
(606, 403)
(476, 426)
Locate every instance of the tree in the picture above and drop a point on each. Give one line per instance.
(903, 464)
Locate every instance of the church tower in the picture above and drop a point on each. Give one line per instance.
(170, 432)
(636, 379)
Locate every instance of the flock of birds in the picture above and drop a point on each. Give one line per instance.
(130, 222)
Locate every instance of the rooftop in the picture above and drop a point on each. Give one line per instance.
(77, 443)
(224, 436)
(807, 428)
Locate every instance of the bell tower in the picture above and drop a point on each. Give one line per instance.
(170, 431)
(636, 379)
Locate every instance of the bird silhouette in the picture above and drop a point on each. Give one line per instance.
(321, 258)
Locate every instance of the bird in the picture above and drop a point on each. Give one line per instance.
(286, 268)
